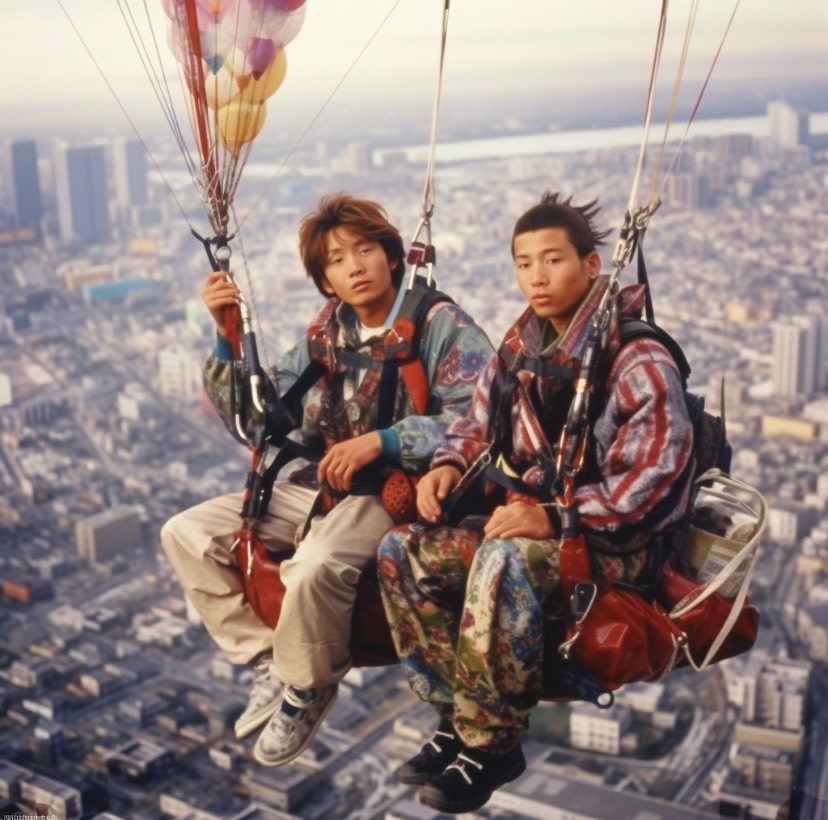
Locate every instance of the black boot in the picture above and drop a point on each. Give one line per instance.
(468, 782)
(435, 755)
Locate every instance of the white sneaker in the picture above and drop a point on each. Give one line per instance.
(264, 696)
(294, 725)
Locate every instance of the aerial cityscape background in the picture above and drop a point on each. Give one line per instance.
(113, 701)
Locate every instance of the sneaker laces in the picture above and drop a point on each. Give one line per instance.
(460, 766)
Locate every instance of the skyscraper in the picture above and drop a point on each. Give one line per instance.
(82, 196)
(25, 185)
(797, 363)
(787, 126)
(179, 374)
(129, 160)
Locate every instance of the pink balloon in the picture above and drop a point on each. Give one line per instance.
(276, 5)
(214, 11)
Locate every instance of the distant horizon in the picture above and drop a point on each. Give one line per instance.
(465, 118)
(542, 65)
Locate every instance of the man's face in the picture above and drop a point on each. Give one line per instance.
(358, 271)
(551, 275)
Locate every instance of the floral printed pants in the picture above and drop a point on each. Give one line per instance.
(467, 616)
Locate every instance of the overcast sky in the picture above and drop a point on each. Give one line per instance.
(493, 44)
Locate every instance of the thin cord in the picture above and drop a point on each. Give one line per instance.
(648, 111)
(703, 89)
(668, 120)
(428, 189)
(318, 114)
(160, 89)
(125, 113)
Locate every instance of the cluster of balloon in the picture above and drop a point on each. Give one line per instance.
(232, 55)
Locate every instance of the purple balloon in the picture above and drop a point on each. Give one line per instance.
(260, 54)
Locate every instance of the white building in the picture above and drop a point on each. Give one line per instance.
(129, 164)
(797, 364)
(6, 395)
(179, 374)
(598, 730)
(787, 126)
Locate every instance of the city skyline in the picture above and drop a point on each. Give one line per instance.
(489, 53)
(110, 666)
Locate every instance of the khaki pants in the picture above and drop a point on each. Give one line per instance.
(311, 642)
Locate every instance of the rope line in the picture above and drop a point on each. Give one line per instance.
(124, 111)
(671, 108)
(697, 104)
(648, 108)
(637, 215)
(319, 113)
(428, 189)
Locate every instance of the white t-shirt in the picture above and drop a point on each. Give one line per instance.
(365, 333)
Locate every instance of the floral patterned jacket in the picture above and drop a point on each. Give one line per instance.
(640, 443)
(453, 350)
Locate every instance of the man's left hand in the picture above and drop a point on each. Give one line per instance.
(339, 464)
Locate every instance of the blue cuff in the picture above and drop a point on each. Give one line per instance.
(390, 444)
(222, 350)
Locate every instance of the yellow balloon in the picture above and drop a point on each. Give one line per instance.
(257, 91)
(219, 88)
(239, 122)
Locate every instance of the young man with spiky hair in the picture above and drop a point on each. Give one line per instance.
(466, 603)
(356, 259)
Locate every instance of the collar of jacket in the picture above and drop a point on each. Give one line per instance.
(526, 334)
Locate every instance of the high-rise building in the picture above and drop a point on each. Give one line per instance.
(179, 374)
(689, 189)
(358, 158)
(797, 368)
(787, 126)
(129, 162)
(25, 185)
(82, 195)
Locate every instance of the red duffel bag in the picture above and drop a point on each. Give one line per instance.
(619, 636)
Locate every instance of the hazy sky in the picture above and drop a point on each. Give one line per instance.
(493, 45)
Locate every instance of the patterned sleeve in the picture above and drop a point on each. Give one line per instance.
(220, 375)
(467, 437)
(454, 351)
(644, 448)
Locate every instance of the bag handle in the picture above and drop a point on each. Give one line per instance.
(748, 552)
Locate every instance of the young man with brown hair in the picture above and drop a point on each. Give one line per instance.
(466, 603)
(356, 259)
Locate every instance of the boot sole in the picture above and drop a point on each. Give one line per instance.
(435, 799)
(414, 778)
(257, 719)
